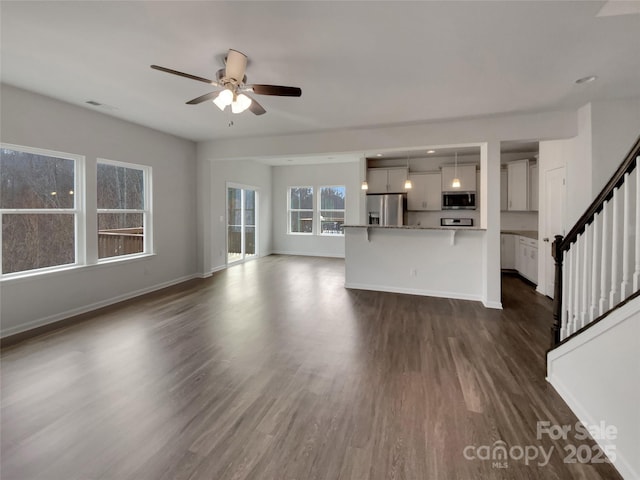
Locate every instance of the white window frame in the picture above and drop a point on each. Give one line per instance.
(311, 210)
(147, 214)
(320, 209)
(78, 211)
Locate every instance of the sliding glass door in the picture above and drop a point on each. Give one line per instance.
(242, 227)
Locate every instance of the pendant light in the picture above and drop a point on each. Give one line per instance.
(456, 181)
(407, 183)
(365, 185)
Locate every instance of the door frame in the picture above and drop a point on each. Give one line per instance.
(544, 260)
(243, 187)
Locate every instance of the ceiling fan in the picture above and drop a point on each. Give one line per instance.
(234, 90)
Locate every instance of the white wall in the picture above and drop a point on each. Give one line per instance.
(33, 120)
(385, 261)
(213, 177)
(347, 174)
(615, 128)
(598, 375)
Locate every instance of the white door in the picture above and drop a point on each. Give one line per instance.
(553, 222)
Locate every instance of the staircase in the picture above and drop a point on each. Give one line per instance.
(598, 262)
(595, 339)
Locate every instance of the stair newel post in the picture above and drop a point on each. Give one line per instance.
(558, 256)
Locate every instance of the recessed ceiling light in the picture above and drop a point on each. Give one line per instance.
(588, 79)
(431, 151)
(378, 154)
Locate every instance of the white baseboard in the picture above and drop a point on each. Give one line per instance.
(492, 304)
(413, 291)
(211, 272)
(306, 254)
(41, 322)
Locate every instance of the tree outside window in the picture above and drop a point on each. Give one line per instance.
(37, 209)
(122, 208)
(332, 209)
(300, 211)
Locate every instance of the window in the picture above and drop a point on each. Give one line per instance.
(332, 210)
(300, 211)
(123, 209)
(38, 208)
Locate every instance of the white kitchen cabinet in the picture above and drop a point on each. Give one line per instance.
(518, 185)
(533, 187)
(466, 175)
(508, 251)
(425, 193)
(504, 191)
(527, 258)
(386, 180)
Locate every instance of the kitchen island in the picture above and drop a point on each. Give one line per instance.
(441, 262)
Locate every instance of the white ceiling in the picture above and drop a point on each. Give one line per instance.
(358, 63)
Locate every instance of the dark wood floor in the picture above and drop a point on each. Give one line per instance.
(272, 370)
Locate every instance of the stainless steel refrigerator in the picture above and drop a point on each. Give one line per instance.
(387, 209)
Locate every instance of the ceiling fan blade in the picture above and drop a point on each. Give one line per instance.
(277, 90)
(255, 107)
(203, 98)
(186, 75)
(236, 65)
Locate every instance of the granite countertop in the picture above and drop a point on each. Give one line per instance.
(523, 233)
(414, 227)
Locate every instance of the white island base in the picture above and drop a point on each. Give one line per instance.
(438, 262)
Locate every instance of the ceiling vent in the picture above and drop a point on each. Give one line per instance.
(94, 103)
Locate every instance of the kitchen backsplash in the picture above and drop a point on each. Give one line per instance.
(518, 220)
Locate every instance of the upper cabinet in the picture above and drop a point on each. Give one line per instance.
(466, 175)
(386, 180)
(425, 193)
(518, 185)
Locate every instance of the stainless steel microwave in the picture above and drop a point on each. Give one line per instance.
(458, 200)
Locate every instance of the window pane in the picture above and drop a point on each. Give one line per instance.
(120, 187)
(250, 207)
(301, 222)
(332, 198)
(37, 241)
(35, 181)
(120, 234)
(250, 241)
(331, 221)
(302, 198)
(235, 206)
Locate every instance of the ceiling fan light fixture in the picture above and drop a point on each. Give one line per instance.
(241, 103)
(224, 98)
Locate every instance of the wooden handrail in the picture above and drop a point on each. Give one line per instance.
(607, 192)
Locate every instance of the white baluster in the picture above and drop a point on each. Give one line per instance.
(625, 285)
(579, 246)
(569, 291)
(586, 256)
(595, 264)
(606, 235)
(615, 239)
(564, 318)
(636, 273)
